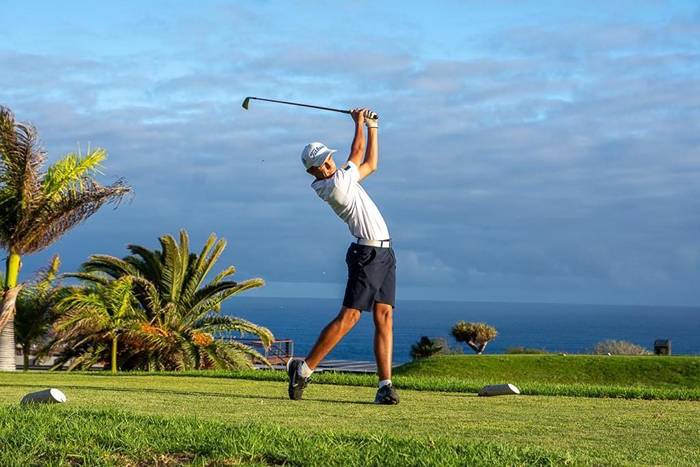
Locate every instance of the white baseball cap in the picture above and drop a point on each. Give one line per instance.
(315, 154)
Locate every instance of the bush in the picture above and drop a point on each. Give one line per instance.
(475, 335)
(427, 347)
(614, 347)
(525, 350)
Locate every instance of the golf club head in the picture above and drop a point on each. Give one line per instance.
(246, 101)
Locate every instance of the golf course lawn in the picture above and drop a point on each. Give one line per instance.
(628, 377)
(131, 419)
(649, 370)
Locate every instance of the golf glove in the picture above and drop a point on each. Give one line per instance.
(371, 122)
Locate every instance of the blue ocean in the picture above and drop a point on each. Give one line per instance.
(554, 327)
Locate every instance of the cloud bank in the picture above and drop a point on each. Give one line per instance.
(550, 157)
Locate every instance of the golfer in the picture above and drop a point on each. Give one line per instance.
(370, 258)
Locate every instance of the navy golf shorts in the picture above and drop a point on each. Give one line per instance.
(371, 277)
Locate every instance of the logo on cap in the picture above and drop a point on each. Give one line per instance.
(314, 154)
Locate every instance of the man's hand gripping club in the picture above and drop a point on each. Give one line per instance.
(365, 157)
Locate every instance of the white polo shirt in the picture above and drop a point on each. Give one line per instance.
(351, 202)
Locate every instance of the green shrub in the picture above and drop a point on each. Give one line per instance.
(614, 347)
(427, 347)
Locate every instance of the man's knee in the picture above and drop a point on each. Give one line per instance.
(348, 317)
(383, 313)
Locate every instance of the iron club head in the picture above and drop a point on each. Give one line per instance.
(246, 101)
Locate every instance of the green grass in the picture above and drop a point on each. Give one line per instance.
(644, 377)
(149, 419)
(118, 437)
(647, 371)
(670, 378)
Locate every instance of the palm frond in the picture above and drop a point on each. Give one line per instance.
(29, 158)
(48, 274)
(83, 359)
(120, 297)
(147, 295)
(170, 317)
(215, 324)
(221, 361)
(155, 338)
(7, 137)
(83, 313)
(150, 262)
(22, 159)
(53, 219)
(210, 291)
(238, 354)
(111, 265)
(71, 173)
(74, 342)
(184, 254)
(170, 268)
(209, 255)
(93, 277)
(229, 271)
(186, 354)
(213, 303)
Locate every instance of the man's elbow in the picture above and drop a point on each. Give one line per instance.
(371, 168)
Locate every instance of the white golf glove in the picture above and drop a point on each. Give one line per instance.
(371, 122)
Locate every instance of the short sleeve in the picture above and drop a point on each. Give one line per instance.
(346, 177)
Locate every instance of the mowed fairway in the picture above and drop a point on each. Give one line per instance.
(548, 429)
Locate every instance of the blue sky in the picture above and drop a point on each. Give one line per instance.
(530, 151)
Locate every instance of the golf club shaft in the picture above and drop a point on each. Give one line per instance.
(374, 115)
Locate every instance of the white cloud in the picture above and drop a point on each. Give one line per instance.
(559, 153)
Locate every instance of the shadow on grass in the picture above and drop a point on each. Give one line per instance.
(186, 393)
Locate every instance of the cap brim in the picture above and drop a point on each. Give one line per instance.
(323, 156)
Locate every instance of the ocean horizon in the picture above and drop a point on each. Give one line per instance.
(555, 327)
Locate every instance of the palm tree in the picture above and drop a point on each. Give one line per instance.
(37, 207)
(98, 312)
(35, 309)
(183, 310)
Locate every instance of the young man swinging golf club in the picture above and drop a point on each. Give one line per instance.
(370, 259)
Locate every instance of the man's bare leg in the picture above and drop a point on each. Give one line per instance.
(331, 335)
(383, 339)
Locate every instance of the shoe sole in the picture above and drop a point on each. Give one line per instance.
(386, 403)
(388, 399)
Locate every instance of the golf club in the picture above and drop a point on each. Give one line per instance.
(246, 103)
